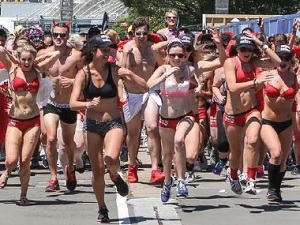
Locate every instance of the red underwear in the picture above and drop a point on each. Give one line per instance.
(23, 125)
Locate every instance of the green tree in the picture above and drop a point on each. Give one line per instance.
(190, 11)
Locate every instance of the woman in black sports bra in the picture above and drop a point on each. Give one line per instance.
(103, 125)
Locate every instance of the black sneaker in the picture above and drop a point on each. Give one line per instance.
(122, 186)
(274, 196)
(103, 215)
(71, 181)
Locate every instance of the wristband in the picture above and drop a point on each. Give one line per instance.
(265, 47)
(88, 105)
(254, 82)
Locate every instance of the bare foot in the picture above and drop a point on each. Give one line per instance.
(3, 180)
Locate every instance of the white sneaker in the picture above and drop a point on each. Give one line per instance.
(243, 177)
(251, 187)
(190, 177)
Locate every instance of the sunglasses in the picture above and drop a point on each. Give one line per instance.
(245, 50)
(171, 17)
(173, 55)
(62, 35)
(285, 58)
(189, 48)
(104, 50)
(141, 33)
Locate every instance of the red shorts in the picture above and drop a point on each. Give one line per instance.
(239, 119)
(172, 122)
(23, 125)
(202, 113)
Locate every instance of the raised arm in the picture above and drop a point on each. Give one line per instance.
(4, 58)
(44, 62)
(158, 52)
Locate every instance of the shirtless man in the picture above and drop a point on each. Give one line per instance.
(62, 75)
(138, 57)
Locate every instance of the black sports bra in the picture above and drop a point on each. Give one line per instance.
(108, 90)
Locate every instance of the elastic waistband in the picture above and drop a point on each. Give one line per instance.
(58, 105)
(32, 118)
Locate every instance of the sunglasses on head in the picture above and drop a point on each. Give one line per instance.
(173, 55)
(245, 50)
(140, 33)
(62, 35)
(285, 57)
(171, 17)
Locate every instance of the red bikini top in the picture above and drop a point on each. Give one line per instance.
(19, 84)
(273, 92)
(241, 75)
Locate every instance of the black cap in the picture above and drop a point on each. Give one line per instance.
(244, 42)
(187, 39)
(283, 49)
(100, 40)
(93, 31)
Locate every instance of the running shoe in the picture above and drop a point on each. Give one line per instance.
(234, 184)
(190, 177)
(214, 156)
(251, 187)
(243, 177)
(71, 181)
(103, 215)
(121, 185)
(218, 168)
(166, 191)
(157, 176)
(273, 195)
(182, 191)
(132, 176)
(296, 171)
(52, 186)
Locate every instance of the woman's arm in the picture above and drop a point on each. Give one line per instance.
(4, 58)
(78, 86)
(44, 62)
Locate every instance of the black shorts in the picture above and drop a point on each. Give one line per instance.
(65, 114)
(101, 127)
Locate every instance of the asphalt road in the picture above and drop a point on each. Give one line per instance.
(210, 201)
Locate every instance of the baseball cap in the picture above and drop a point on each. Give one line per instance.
(283, 49)
(93, 31)
(244, 42)
(187, 39)
(100, 40)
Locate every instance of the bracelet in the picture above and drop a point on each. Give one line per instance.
(73, 81)
(165, 74)
(265, 47)
(254, 82)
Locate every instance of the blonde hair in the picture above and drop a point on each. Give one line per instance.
(75, 41)
(26, 48)
(172, 12)
(113, 36)
(201, 53)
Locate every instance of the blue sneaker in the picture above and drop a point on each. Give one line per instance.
(166, 191)
(182, 191)
(218, 168)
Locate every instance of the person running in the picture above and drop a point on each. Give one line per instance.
(98, 82)
(62, 75)
(277, 114)
(24, 119)
(242, 119)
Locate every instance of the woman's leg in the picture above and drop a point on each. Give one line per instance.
(13, 141)
(30, 140)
